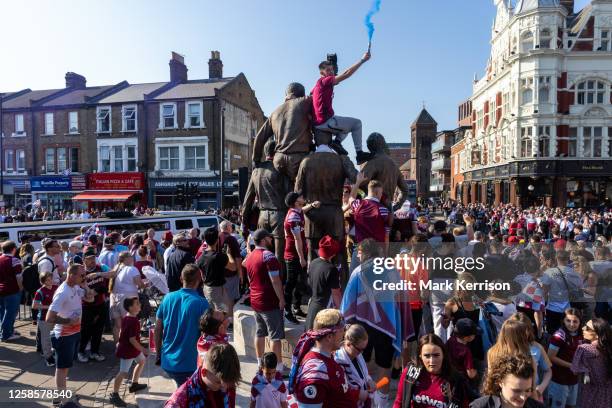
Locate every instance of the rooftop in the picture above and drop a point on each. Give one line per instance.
(132, 93)
(201, 88)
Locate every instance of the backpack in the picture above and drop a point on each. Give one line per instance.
(31, 280)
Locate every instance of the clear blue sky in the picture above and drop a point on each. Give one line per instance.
(422, 50)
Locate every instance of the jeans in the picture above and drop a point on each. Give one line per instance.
(92, 327)
(9, 305)
(295, 285)
(179, 377)
(344, 125)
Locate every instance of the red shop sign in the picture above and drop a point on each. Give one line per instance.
(116, 181)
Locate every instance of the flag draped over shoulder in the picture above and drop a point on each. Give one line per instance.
(376, 308)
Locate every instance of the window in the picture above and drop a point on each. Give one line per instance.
(526, 141)
(20, 157)
(183, 224)
(566, 145)
(527, 41)
(74, 159)
(9, 160)
(104, 122)
(62, 160)
(543, 141)
(129, 118)
(194, 115)
(169, 158)
(604, 40)
(195, 158)
(590, 92)
(227, 166)
(543, 89)
(73, 122)
(591, 141)
(118, 158)
(505, 103)
(50, 160)
(19, 128)
(49, 123)
(168, 115)
(479, 119)
(526, 90)
(545, 38)
(131, 158)
(104, 159)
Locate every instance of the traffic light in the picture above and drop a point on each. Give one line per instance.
(242, 183)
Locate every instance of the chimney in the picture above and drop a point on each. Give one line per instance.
(178, 69)
(215, 65)
(569, 6)
(74, 80)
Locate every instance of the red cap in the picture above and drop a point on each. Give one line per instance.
(560, 244)
(328, 247)
(167, 236)
(513, 240)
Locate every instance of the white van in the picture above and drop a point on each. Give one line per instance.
(174, 221)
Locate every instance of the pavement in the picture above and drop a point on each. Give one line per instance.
(22, 367)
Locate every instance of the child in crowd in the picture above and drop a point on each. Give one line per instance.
(41, 302)
(129, 350)
(563, 389)
(458, 350)
(268, 389)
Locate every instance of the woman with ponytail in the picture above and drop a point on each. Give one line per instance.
(594, 361)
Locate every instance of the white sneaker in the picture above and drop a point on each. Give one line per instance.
(82, 358)
(97, 357)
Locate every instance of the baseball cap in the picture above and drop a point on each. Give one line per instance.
(328, 247)
(513, 240)
(466, 327)
(260, 234)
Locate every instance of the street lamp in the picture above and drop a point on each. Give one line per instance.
(530, 187)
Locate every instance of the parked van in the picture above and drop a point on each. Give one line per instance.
(174, 221)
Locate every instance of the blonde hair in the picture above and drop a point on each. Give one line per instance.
(327, 318)
(512, 340)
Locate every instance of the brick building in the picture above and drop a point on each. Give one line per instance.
(125, 144)
(457, 155)
(399, 152)
(422, 134)
(541, 114)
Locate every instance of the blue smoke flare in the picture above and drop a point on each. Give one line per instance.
(375, 8)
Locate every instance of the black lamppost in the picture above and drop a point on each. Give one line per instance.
(222, 157)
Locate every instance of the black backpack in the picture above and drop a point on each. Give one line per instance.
(31, 280)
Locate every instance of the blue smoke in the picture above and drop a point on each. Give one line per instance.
(375, 8)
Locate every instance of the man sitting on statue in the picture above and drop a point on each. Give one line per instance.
(323, 112)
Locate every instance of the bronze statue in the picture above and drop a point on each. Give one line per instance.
(321, 178)
(290, 124)
(381, 167)
(269, 188)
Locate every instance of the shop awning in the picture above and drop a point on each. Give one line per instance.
(104, 196)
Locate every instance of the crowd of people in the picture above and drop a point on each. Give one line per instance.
(544, 339)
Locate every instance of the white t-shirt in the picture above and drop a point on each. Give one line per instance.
(67, 304)
(124, 281)
(46, 264)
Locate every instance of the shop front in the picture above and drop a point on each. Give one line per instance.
(56, 192)
(560, 183)
(16, 192)
(113, 191)
(172, 193)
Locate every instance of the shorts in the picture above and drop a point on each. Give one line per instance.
(66, 348)
(232, 288)
(216, 297)
(116, 306)
(270, 323)
(382, 346)
(561, 395)
(126, 363)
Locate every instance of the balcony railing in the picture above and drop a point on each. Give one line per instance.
(441, 164)
(440, 146)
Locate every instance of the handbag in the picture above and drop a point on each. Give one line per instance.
(575, 294)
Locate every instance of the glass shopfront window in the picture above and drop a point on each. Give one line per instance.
(587, 193)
